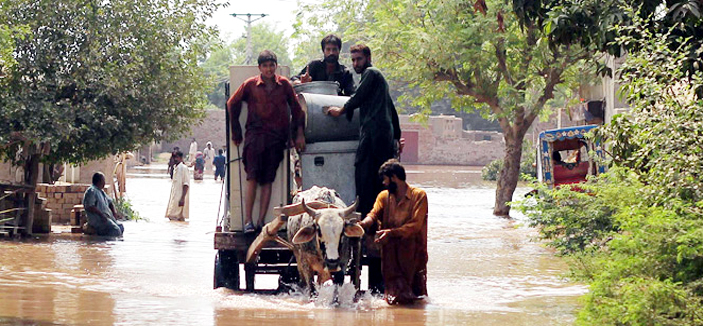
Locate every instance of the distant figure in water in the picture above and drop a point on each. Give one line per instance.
(100, 210)
(219, 161)
(178, 203)
(172, 161)
(401, 214)
(199, 166)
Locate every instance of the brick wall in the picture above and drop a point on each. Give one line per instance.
(212, 129)
(60, 199)
(472, 148)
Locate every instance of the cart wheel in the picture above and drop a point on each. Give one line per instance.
(226, 270)
(356, 263)
(288, 279)
(249, 274)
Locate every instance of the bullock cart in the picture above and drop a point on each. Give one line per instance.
(328, 161)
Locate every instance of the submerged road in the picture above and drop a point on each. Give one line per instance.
(483, 270)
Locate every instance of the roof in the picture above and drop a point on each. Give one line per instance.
(566, 133)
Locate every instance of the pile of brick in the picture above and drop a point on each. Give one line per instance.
(60, 199)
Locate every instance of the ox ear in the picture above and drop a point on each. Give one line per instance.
(304, 235)
(353, 230)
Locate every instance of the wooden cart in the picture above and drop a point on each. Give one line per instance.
(263, 254)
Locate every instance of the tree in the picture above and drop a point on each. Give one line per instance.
(94, 78)
(595, 24)
(479, 56)
(216, 68)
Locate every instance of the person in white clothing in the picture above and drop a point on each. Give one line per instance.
(210, 154)
(192, 151)
(178, 203)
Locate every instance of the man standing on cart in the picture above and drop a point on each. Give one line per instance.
(268, 131)
(379, 137)
(329, 68)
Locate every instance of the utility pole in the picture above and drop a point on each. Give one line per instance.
(248, 20)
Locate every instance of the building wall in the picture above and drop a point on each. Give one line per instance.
(442, 142)
(85, 174)
(212, 129)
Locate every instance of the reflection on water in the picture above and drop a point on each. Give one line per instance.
(483, 270)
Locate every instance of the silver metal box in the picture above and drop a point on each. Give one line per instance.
(330, 164)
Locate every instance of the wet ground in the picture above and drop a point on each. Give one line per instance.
(483, 270)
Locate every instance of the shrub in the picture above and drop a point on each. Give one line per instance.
(635, 234)
(527, 169)
(124, 207)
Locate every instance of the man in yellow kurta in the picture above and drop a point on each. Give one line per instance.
(178, 203)
(401, 214)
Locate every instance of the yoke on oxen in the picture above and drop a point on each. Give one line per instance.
(317, 214)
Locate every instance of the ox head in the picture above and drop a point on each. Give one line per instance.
(329, 223)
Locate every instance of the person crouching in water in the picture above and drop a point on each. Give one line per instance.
(401, 214)
(178, 207)
(268, 130)
(100, 210)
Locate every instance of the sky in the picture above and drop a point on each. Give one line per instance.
(280, 13)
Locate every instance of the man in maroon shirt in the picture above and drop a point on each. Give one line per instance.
(268, 130)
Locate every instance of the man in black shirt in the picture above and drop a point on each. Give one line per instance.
(328, 69)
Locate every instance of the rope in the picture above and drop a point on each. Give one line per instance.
(241, 200)
(219, 206)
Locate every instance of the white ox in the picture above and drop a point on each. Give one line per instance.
(320, 235)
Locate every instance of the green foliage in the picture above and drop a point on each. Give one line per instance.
(597, 24)
(482, 60)
(124, 207)
(314, 21)
(491, 171)
(95, 77)
(660, 138)
(635, 234)
(264, 36)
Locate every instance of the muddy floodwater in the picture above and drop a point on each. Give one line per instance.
(483, 270)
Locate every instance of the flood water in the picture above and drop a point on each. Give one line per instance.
(483, 270)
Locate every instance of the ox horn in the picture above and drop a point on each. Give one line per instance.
(352, 208)
(311, 211)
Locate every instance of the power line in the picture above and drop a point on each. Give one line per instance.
(249, 20)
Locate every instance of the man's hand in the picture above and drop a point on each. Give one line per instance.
(237, 142)
(401, 144)
(300, 143)
(334, 111)
(300, 139)
(181, 202)
(382, 236)
(305, 78)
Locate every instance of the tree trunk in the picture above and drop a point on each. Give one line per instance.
(509, 175)
(31, 178)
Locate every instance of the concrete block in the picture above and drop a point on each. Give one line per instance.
(42, 221)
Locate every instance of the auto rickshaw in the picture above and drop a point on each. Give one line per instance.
(566, 156)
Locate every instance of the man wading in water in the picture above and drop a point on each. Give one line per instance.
(401, 214)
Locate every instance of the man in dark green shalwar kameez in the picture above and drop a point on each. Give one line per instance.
(379, 126)
(378, 137)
